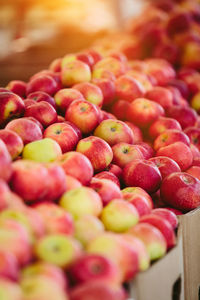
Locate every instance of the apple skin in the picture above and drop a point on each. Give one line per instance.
(119, 216)
(17, 87)
(41, 96)
(128, 88)
(98, 290)
(194, 135)
(124, 153)
(12, 141)
(81, 201)
(5, 162)
(27, 129)
(185, 195)
(116, 170)
(75, 72)
(143, 112)
(90, 92)
(87, 227)
(161, 95)
(175, 211)
(195, 102)
(35, 121)
(196, 162)
(112, 65)
(186, 116)
(106, 115)
(72, 183)
(73, 163)
(137, 133)
(165, 165)
(179, 152)
(84, 115)
(55, 218)
(114, 131)
(9, 266)
(169, 137)
(11, 106)
(28, 102)
(194, 171)
(102, 73)
(5, 193)
(42, 83)
(166, 214)
(64, 97)
(10, 290)
(55, 65)
(162, 124)
(63, 134)
(97, 151)
(78, 131)
(45, 150)
(108, 90)
(108, 175)
(195, 151)
(106, 189)
(142, 173)
(152, 238)
(86, 58)
(120, 108)
(164, 226)
(95, 55)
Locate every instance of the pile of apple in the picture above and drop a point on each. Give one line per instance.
(98, 155)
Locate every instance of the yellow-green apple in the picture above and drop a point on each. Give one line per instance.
(163, 225)
(111, 64)
(10, 290)
(152, 238)
(181, 191)
(102, 73)
(5, 162)
(41, 287)
(12, 106)
(27, 129)
(161, 95)
(12, 141)
(107, 189)
(120, 108)
(139, 198)
(167, 215)
(25, 173)
(194, 171)
(73, 163)
(65, 97)
(43, 112)
(114, 247)
(108, 175)
(75, 72)
(45, 150)
(42, 96)
(107, 87)
(114, 131)
(97, 151)
(63, 134)
(72, 183)
(143, 112)
(119, 215)
(186, 116)
(55, 65)
(58, 249)
(81, 201)
(137, 133)
(194, 135)
(55, 218)
(116, 170)
(161, 125)
(14, 238)
(128, 88)
(195, 102)
(43, 83)
(124, 153)
(90, 92)
(190, 55)
(85, 115)
(165, 165)
(169, 137)
(17, 87)
(87, 227)
(142, 173)
(9, 266)
(179, 152)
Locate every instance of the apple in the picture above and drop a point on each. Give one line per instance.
(114, 131)
(167, 50)
(97, 151)
(5, 194)
(73, 163)
(41, 96)
(142, 78)
(9, 266)
(84, 115)
(35, 121)
(196, 162)
(28, 102)
(161, 95)
(11, 106)
(108, 175)
(181, 191)
(124, 153)
(128, 88)
(10, 290)
(137, 133)
(75, 72)
(195, 151)
(58, 249)
(144, 112)
(142, 173)
(55, 65)
(181, 86)
(12, 141)
(87, 227)
(43, 83)
(190, 55)
(64, 97)
(81, 201)
(111, 64)
(152, 238)
(54, 75)
(17, 87)
(194, 171)
(107, 87)
(5, 162)
(3, 90)
(46, 150)
(27, 129)
(116, 170)
(166, 214)
(186, 116)
(162, 124)
(102, 73)
(120, 108)
(169, 137)
(119, 216)
(96, 55)
(195, 102)
(86, 58)
(63, 134)
(72, 183)
(165, 165)
(194, 135)
(90, 92)
(179, 152)
(106, 115)
(107, 189)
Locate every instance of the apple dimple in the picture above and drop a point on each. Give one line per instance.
(113, 129)
(187, 179)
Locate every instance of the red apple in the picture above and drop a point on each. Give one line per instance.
(35, 121)
(108, 90)
(128, 88)
(111, 64)
(28, 102)
(12, 141)
(86, 58)
(194, 135)
(55, 65)
(116, 170)
(95, 55)
(65, 97)
(5, 162)
(78, 132)
(194, 171)
(11, 106)
(175, 211)
(146, 149)
(196, 162)
(17, 87)
(165, 165)
(186, 116)
(108, 175)
(75, 72)
(160, 95)
(166, 214)
(90, 92)
(106, 115)
(42, 96)
(9, 266)
(72, 183)
(161, 125)
(120, 108)
(195, 151)
(169, 137)
(137, 133)
(44, 83)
